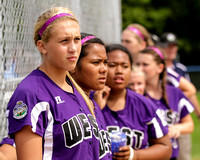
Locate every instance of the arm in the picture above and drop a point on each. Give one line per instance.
(8, 152)
(187, 87)
(186, 126)
(190, 91)
(28, 144)
(163, 145)
(194, 100)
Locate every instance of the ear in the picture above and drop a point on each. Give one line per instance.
(143, 45)
(41, 47)
(161, 68)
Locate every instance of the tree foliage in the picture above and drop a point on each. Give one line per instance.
(159, 16)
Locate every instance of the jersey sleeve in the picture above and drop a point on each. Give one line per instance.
(24, 108)
(173, 78)
(156, 125)
(8, 140)
(148, 114)
(184, 106)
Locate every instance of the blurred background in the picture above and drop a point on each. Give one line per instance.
(180, 17)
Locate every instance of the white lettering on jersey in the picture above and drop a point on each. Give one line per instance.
(58, 100)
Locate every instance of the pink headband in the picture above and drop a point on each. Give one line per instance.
(50, 20)
(137, 31)
(87, 39)
(157, 51)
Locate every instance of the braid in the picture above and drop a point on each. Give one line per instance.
(85, 97)
(163, 86)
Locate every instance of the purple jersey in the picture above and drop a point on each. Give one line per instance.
(180, 106)
(8, 140)
(181, 69)
(104, 136)
(63, 119)
(173, 78)
(138, 120)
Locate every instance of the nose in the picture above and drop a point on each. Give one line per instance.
(135, 88)
(104, 68)
(73, 47)
(119, 69)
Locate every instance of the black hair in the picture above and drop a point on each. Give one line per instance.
(114, 47)
(86, 44)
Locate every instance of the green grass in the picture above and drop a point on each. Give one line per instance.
(196, 136)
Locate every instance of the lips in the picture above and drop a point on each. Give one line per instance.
(102, 79)
(73, 58)
(119, 80)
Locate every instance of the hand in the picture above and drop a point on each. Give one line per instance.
(174, 131)
(101, 96)
(123, 154)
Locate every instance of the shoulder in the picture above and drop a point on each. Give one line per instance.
(173, 77)
(172, 89)
(174, 94)
(30, 89)
(133, 96)
(35, 80)
(171, 72)
(180, 66)
(140, 101)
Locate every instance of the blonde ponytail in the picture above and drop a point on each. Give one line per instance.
(85, 97)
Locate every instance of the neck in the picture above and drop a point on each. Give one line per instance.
(116, 94)
(154, 89)
(57, 76)
(117, 100)
(169, 63)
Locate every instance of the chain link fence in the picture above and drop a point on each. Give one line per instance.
(19, 56)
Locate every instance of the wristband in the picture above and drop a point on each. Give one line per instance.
(131, 154)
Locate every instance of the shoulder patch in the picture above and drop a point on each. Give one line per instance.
(20, 110)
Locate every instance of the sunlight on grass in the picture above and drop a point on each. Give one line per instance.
(196, 136)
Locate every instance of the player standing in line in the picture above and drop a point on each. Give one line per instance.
(135, 37)
(174, 107)
(90, 74)
(132, 113)
(137, 81)
(169, 43)
(47, 115)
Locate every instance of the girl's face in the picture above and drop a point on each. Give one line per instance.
(137, 82)
(131, 42)
(91, 72)
(62, 50)
(119, 69)
(149, 66)
(171, 52)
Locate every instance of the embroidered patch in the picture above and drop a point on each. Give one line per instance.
(20, 110)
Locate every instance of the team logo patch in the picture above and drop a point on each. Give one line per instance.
(20, 110)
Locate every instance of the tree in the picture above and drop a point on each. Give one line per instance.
(181, 17)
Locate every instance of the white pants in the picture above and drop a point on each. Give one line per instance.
(184, 147)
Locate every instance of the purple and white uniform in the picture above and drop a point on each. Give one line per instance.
(7, 140)
(138, 120)
(63, 119)
(180, 106)
(104, 136)
(173, 78)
